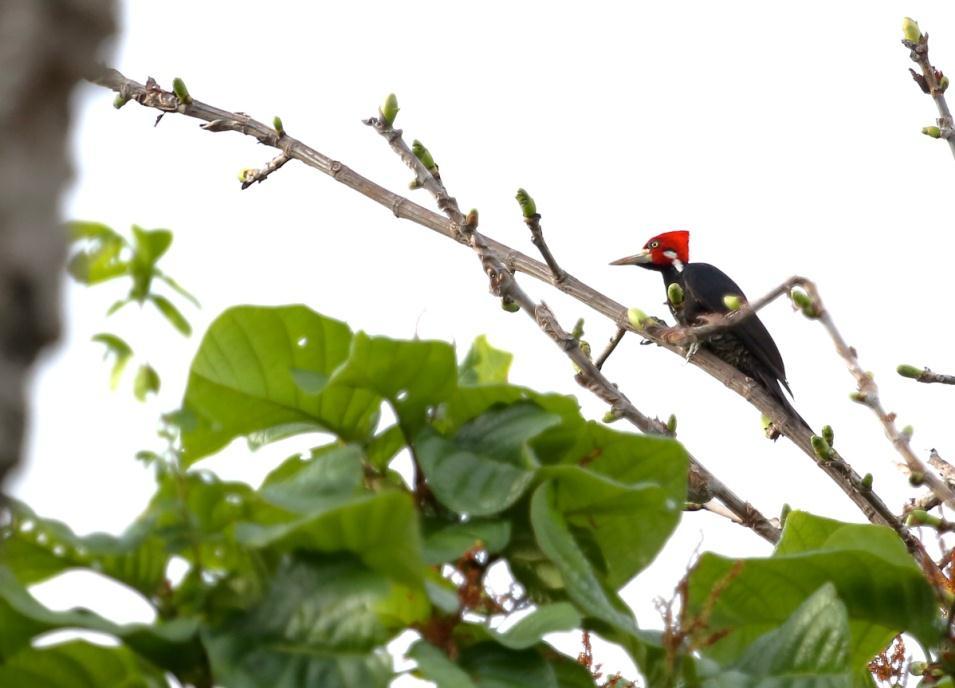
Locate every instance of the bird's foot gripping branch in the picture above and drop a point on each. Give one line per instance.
(304, 579)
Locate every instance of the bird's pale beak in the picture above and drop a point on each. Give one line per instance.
(641, 258)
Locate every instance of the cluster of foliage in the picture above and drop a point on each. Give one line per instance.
(304, 579)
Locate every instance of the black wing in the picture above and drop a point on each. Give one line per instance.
(705, 287)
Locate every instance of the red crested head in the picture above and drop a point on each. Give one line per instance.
(663, 250)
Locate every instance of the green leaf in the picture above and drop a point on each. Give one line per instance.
(448, 543)
(332, 471)
(814, 641)
(35, 549)
(79, 230)
(549, 618)
(323, 622)
(493, 666)
(175, 286)
(79, 664)
(380, 528)
(484, 364)
(623, 525)
(384, 446)
(581, 582)
(118, 348)
(147, 380)
(171, 313)
(150, 244)
(100, 260)
(173, 646)
(883, 590)
(241, 379)
(435, 666)
(412, 375)
(487, 465)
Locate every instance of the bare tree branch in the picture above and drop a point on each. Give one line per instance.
(930, 80)
(868, 395)
(611, 345)
(514, 261)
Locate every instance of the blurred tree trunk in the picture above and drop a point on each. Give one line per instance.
(46, 46)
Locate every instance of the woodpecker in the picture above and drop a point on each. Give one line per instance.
(747, 345)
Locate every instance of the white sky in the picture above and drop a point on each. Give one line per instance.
(786, 141)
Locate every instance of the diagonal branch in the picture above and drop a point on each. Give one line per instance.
(515, 261)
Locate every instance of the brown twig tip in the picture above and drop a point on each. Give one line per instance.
(250, 175)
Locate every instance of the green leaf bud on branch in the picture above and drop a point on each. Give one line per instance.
(675, 295)
(120, 100)
(247, 174)
(910, 371)
(510, 306)
(920, 517)
(528, 206)
(637, 318)
(471, 221)
(278, 126)
(867, 482)
(916, 478)
(932, 131)
(671, 424)
(733, 302)
(821, 448)
(910, 30)
(828, 434)
(907, 432)
(578, 330)
(859, 397)
(424, 155)
(611, 416)
(389, 109)
(182, 93)
(943, 84)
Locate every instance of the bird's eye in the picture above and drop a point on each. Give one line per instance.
(654, 244)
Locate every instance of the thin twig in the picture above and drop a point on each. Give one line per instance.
(223, 120)
(925, 375)
(930, 81)
(618, 335)
(868, 395)
(537, 238)
(250, 175)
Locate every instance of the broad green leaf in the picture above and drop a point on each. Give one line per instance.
(173, 646)
(151, 244)
(79, 664)
(623, 525)
(322, 622)
(582, 583)
(385, 445)
(241, 379)
(484, 364)
(35, 549)
(814, 641)
(146, 381)
(382, 529)
(448, 543)
(466, 403)
(549, 618)
(435, 665)
(882, 588)
(257, 440)
(493, 666)
(120, 350)
(171, 313)
(412, 375)
(487, 465)
(101, 257)
(335, 471)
